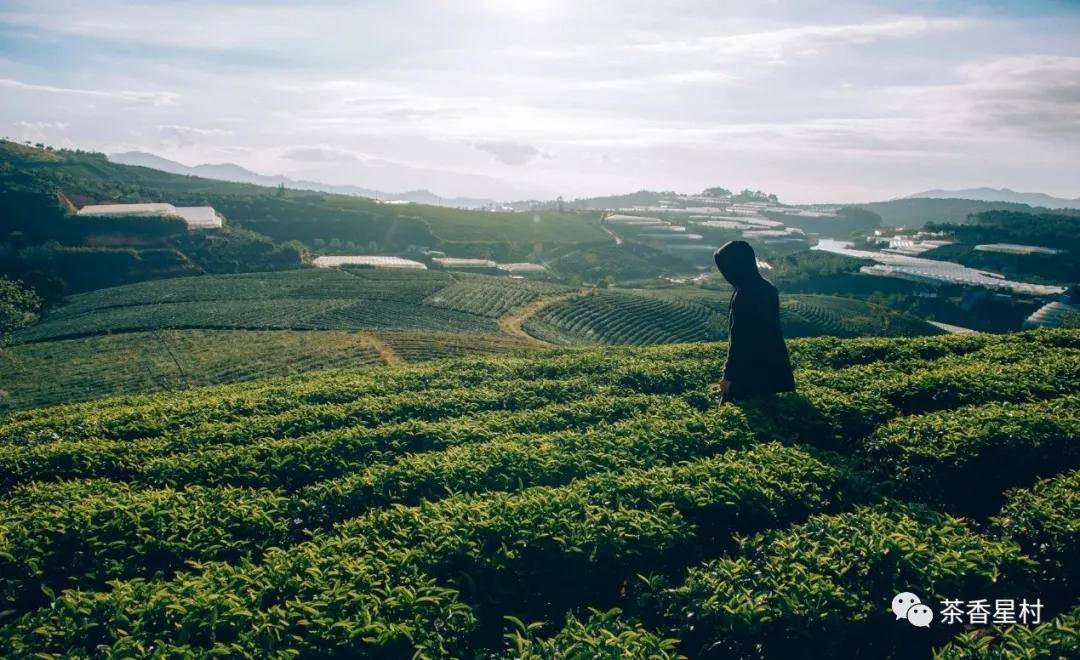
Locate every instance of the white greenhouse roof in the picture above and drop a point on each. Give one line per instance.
(451, 262)
(196, 217)
(932, 270)
(199, 217)
(723, 224)
(634, 219)
(330, 261)
(1014, 248)
(1051, 315)
(522, 267)
(128, 209)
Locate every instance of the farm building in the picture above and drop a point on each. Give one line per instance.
(635, 222)
(672, 237)
(523, 267)
(1054, 314)
(933, 271)
(771, 233)
(451, 262)
(1013, 248)
(722, 224)
(373, 261)
(128, 209)
(196, 217)
(199, 217)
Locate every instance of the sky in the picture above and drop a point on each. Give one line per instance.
(510, 99)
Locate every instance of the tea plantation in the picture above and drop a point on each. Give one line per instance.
(581, 503)
(312, 299)
(182, 332)
(658, 316)
(82, 368)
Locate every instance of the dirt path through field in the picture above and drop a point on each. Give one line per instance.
(512, 322)
(382, 348)
(618, 241)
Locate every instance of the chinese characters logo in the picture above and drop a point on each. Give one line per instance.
(977, 612)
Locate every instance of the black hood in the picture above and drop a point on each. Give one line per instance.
(737, 263)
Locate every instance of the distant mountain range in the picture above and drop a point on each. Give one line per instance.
(1001, 195)
(238, 174)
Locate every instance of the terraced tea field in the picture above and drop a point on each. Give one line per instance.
(372, 299)
(579, 503)
(683, 315)
(170, 334)
(315, 299)
(68, 370)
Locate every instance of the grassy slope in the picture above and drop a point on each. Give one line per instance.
(258, 208)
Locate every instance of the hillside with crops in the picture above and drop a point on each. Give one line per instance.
(664, 316)
(30, 175)
(585, 503)
(182, 332)
(373, 299)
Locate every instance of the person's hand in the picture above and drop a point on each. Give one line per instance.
(725, 386)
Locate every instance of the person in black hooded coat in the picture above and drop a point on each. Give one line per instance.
(757, 359)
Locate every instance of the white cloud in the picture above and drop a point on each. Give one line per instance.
(41, 131)
(778, 46)
(191, 25)
(770, 96)
(194, 130)
(320, 155)
(509, 153)
(990, 100)
(188, 136)
(154, 97)
(1037, 94)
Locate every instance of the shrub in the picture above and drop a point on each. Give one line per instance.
(602, 635)
(826, 584)
(1056, 639)
(966, 458)
(1045, 521)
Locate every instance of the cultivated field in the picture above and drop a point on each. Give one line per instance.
(660, 316)
(68, 370)
(585, 503)
(373, 299)
(312, 299)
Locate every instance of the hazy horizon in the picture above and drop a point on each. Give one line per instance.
(817, 102)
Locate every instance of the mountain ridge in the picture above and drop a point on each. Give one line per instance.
(986, 194)
(239, 174)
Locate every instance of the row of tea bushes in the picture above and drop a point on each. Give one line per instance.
(84, 533)
(966, 458)
(826, 584)
(154, 415)
(543, 546)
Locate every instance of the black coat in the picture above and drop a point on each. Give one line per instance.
(757, 360)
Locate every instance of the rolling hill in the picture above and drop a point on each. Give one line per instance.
(1003, 195)
(309, 299)
(586, 503)
(660, 316)
(293, 215)
(235, 173)
(916, 212)
(441, 301)
(173, 333)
